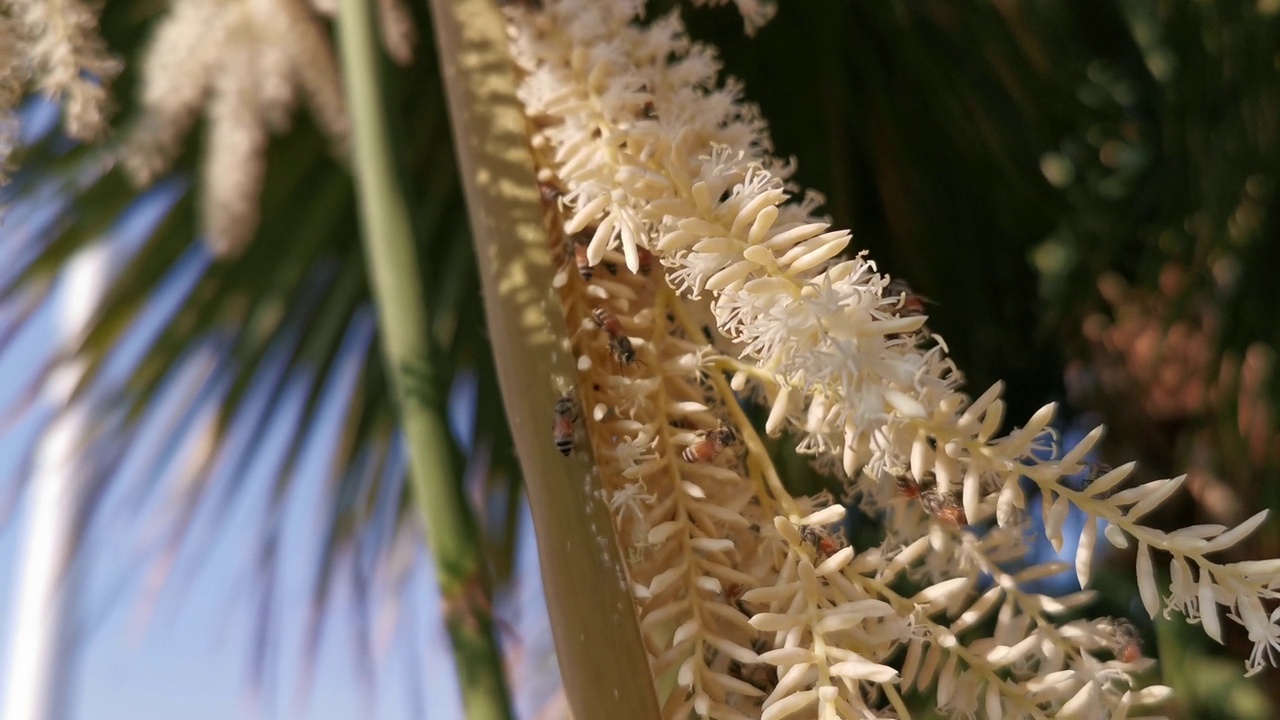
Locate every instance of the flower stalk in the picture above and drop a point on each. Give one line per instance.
(411, 361)
(598, 643)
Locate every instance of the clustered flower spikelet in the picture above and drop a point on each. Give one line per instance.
(749, 594)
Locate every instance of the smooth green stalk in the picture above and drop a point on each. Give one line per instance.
(602, 659)
(402, 314)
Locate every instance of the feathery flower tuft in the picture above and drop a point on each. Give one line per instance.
(244, 64)
(12, 79)
(68, 60)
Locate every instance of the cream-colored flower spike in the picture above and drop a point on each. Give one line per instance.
(644, 151)
(243, 63)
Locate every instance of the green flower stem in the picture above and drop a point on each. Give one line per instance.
(602, 659)
(407, 351)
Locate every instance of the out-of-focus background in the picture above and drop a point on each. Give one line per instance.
(1088, 191)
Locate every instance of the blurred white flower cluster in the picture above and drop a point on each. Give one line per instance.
(54, 46)
(746, 591)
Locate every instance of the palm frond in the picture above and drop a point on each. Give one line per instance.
(286, 324)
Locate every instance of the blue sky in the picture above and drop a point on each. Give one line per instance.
(188, 653)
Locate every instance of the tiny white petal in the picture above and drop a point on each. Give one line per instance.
(1079, 706)
(685, 676)
(760, 226)
(972, 495)
(906, 405)
(1082, 448)
(837, 562)
(1008, 502)
(788, 656)
(864, 670)
(695, 491)
(775, 622)
(1237, 533)
(730, 275)
(1084, 552)
(995, 708)
(1147, 581)
(661, 532)
(665, 579)
(947, 680)
(784, 240)
(911, 664)
(1151, 695)
(991, 420)
(982, 403)
(1159, 495)
(789, 705)
(941, 592)
(778, 413)
(1053, 526)
(1116, 536)
(1040, 571)
(1209, 606)
(687, 629)
(978, 610)
(1110, 479)
(826, 516)
(712, 544)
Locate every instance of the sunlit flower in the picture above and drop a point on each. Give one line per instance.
(654, 153)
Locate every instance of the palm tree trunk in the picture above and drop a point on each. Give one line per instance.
(410, 358)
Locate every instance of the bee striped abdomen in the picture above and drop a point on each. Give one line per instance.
(709, 446)
(562, 431)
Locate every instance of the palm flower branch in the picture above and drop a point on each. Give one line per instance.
(644, 153)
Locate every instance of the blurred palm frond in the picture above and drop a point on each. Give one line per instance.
(256, 375)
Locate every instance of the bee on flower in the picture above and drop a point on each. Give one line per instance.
(709, 445)
(619, 343)
(564, 415)
(947, 508)
(576, 249)
(910, 303)
(824, 541)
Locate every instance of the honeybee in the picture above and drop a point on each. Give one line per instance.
(1097, 470)
(564, 416)
(912, 304)
(907, 486)
(733, 593)
(549, 193)
(711, 444)
(1128, 642)
(578, 246)
(619, 343)
(761, 675)
(824, 542)
(945, 507)
(646, 261)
